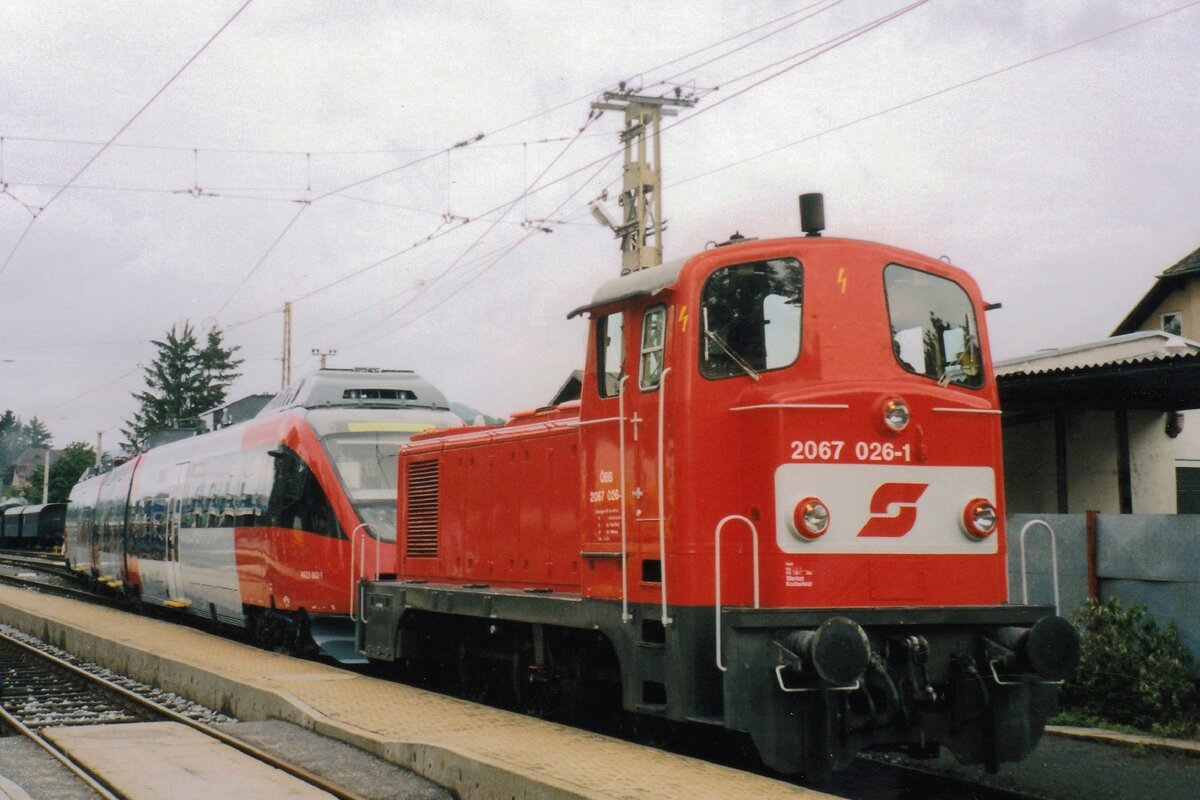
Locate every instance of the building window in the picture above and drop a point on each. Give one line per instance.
(1173, 323)
(1187, 490)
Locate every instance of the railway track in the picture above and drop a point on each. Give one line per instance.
(872, 777)
(44, 690)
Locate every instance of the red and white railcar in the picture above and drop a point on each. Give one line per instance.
(776, 507)
(252, 525)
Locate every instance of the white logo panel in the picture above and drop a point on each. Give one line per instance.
(877, 508)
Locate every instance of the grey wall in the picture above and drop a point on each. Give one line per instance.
(1151, 559)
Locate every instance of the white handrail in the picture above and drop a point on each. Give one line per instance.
(662, 515)
(353, 582)
(1053, 562)
(717, 570)
(625, 615)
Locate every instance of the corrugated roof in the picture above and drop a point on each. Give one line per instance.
(1129, 348)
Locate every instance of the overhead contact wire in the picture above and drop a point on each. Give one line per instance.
(940, 92)
(122, 130)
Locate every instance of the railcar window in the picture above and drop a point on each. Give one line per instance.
(653, 336)
(750, 318)
(933, 326)
(610, 353)
(297, 500)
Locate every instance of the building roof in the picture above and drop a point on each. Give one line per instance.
(1146, 370)
(1171, 279)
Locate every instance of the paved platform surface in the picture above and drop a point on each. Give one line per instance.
(153, 760)
(476, 751)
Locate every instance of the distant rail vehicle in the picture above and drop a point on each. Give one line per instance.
(251, 525)
(33, 527)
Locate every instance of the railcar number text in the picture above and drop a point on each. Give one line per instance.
(831, 450)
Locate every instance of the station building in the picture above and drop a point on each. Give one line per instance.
(1108, 426)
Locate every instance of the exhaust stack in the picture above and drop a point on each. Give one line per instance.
(812, 213)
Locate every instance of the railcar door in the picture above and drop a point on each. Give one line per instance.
(175, 513)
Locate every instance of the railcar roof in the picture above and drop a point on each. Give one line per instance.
(358, 388)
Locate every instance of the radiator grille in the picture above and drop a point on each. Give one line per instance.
(421, 523)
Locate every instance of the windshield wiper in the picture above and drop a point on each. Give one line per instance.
(734, 357)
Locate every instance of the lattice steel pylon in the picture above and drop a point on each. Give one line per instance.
(641, 229)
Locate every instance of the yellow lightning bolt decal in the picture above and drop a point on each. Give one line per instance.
(683, 318)
(841, 279)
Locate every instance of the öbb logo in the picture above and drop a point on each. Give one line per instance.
(893, 509)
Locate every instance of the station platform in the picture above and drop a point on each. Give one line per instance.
(476, 751)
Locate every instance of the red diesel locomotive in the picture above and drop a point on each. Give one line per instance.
(775, 508)
(262, 525)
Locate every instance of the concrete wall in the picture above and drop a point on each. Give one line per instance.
(1150, 559)
(1030, 462)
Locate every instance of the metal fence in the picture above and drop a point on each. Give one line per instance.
(1150, 559)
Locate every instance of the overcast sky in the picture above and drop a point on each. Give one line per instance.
(1064, 186)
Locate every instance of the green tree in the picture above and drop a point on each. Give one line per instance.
(37, 434)
(64, 473)
(184, 380)
(16, 437)
(10, 444)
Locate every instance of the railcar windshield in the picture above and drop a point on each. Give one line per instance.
(934, 332)
(366, 466)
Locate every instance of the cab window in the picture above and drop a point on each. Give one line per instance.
(653, 336)
(933, 326)
(610, 351)
(750, 318)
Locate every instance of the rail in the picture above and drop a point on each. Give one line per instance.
(717, 571)
(162, 712)
(1053, 562)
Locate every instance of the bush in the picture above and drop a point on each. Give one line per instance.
(1131, 671)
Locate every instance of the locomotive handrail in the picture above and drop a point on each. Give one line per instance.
(662, 513)
(790, 690)
(1023, 680)
(355, 590)
(833, 406)
(717, 570)
(1053, 561)
(625, 615)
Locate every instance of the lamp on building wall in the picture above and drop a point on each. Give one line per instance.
(1174, 425)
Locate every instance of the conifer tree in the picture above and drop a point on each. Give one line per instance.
(184, 380)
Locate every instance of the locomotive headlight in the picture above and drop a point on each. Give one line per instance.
(811, 518)
(979, 518)
(896, 414)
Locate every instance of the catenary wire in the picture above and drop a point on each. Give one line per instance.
(123, 128)
(938, 93)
